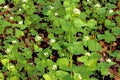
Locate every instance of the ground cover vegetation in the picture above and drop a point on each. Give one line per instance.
(59, 40)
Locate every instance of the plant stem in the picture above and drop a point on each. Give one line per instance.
(103, 77)
(70, 52)
(71, 55)
(110, 46)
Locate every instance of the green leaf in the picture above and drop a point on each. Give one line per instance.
(75, 0)
(1, 29)
(62, 62)
(102, 11)
(56, 23)
(2, 2)
(40, 1)
(85, 72)
(37, 49)
(93, 79)
(35, 18)
(61, 74)
(113, 1)
(66, 3)
(108, 37)
(1, 76)
(27, 20)
(11, 67)
(79, 23)
(103, 68)
(13, 78)
(83, 59)
(109, 24)
(64, 24)
(56, 46)
(116, 31)
(10, 31)
(47, 77)
(91, 64)
(94, 46)
(19, 33)
(83, 15)
(49, 62)
(115, 54)
(92, 23)
(58, 30)
(5, 61)
(3, 24)
(77, 76)
(110, 6)
(95, 56)
(100, 36)
(117, 18)
(76, 48)
(27, 53)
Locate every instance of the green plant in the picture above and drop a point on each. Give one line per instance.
(58, 39)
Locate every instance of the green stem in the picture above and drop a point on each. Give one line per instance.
(103, 77)
(71, 55)
(110, 46)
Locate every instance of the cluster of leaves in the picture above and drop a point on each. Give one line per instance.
(59, 39)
